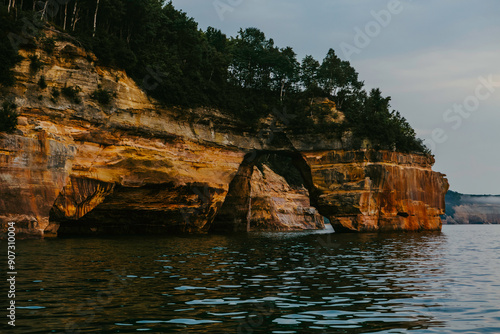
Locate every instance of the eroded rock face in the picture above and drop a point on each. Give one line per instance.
(152, 208)
(259, 199)
(124, 164)
(133, 166)
(363, 191)
(33, 169)
(276, 206)
(79, 197)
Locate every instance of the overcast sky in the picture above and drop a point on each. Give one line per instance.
(439, 60)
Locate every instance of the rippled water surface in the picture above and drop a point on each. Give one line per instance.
(313, 282)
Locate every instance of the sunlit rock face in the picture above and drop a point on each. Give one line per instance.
(260, 199)
(363, 191)
(33, 170)
(133, 166)
(277, 206)
(127, 167)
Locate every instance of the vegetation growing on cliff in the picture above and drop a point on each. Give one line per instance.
(246, 75)
(8, 56)
(71, 93)
(103, 96)
(8, 117)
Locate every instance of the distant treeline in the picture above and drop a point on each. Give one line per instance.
(180, 65)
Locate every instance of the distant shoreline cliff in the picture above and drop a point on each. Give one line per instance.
(471, 209)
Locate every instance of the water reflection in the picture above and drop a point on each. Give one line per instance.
(257, 283)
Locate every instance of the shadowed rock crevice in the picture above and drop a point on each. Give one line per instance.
(153, 208)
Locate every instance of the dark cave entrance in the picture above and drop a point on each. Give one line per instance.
(287, 201)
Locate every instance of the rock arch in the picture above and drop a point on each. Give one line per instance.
(268, 196)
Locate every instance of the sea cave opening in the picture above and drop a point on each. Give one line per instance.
(272, 191)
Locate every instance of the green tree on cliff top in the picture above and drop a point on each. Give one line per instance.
(247, 76)
(8, 117)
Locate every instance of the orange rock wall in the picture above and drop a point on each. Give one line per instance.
(131, 161)
(135, 166)
(363, 191)
(276, 206)
(33, 170)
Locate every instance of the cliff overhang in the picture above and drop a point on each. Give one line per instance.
(75, 166)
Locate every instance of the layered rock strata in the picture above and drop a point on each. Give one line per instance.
(259, 199)
(277, 206)
(363, 191)
(75, 166)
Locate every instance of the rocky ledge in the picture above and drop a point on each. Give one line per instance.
(76, 166)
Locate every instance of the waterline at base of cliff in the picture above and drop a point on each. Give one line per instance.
(77, 166)
(294, 282)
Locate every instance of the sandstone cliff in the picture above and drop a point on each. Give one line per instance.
(262, 200)
(75, 166)
(371, 191)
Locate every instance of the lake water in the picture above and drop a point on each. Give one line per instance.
(314, 282)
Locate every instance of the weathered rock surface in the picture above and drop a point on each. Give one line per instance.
(262, 200)
(363, 191)
(134, 166)
(33, 170)
(276, 206)
(132, 161)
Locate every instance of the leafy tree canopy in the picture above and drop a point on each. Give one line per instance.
(180, 65)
